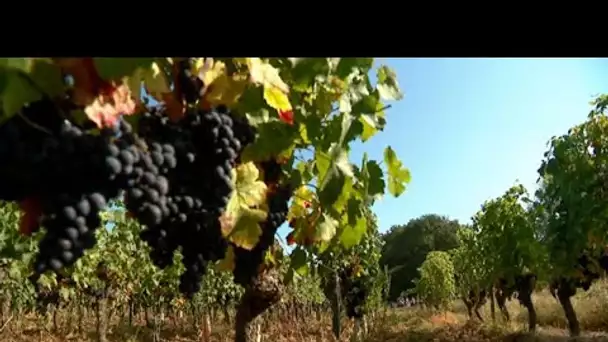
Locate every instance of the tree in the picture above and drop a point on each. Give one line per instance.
(406, 248)
(218, 161)
(436, 285)
(573, 196)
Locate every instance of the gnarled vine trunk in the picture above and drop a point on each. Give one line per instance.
(526, 286)
(261, 294)
(565, 290)
(333, 293)
(501, 301)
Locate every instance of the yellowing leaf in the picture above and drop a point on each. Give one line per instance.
(250, 190)
(275, 90)
(326, 230)
(265, 74)
(155, 82)
(225, 90)
(276, 99)
(219, 87)
(208, 70)
(302, 198)
(240, 222)
(246, 232)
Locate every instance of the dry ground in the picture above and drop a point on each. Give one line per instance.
(394, 325)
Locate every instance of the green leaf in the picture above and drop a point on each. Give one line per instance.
(375, 184)
(352, 234)
(17, 93)
(274, 138)
(305, 71)
(346, 65)
(24, 80)
(299, 261)
(368, 104)
(329, 194)
(387, 85)
(333, 169)
(398, 176)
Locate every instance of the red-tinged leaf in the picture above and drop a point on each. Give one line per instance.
(110, 104)
(290, 239)
(286, 116)
(30, 214)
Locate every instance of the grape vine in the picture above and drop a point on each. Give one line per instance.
(211, 169)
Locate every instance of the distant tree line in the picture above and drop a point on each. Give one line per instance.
(406, 247)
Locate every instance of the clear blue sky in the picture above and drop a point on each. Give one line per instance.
(469, 128)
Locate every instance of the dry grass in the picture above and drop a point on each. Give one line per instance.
(395, 325)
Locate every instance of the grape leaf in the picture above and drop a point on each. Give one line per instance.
(246, 230)
(332, 170)
(275, 90)
(326, 230)
(346, 65)
(240, 222)
(398, 175)
(17, 92)
(265, 74)
(219, 87)
(105, 110)
(26, 80)
(387, 85)
(277, 99)
(274, 139)
(305, 70)
(298, 261)
(375, 180)
(352, 234)
(155, 82)
(302, 199)
(369, 127)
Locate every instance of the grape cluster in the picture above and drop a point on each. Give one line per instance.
(175, 177)
(205, 145)
(68, 173)
(354, 291)
(248, 262)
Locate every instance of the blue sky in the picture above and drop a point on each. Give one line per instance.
(469, 128)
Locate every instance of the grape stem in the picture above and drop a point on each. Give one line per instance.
(33, 124)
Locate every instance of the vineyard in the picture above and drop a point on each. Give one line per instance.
(140, 200)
